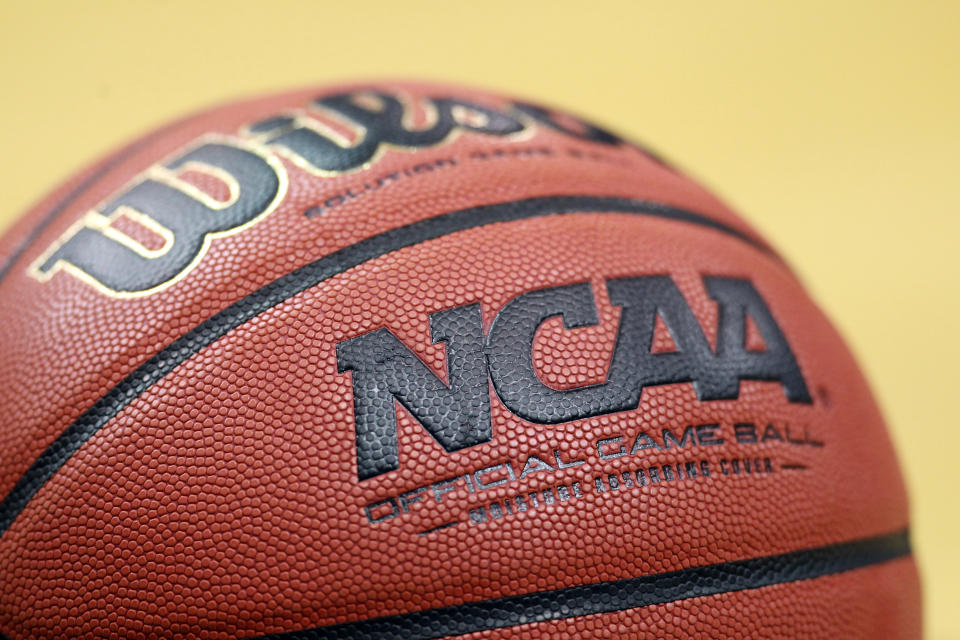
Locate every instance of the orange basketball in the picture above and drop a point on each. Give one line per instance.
(399, 360)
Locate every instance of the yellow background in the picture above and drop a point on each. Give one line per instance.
(833, 126)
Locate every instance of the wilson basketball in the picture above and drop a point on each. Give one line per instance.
(411, 361)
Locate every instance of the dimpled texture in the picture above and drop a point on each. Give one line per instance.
(217, 494)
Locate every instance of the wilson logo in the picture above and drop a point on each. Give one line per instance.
(162, 205)
(157, 229)
(457, 414)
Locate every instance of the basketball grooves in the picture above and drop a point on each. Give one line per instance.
(154, 369)
(606, 597)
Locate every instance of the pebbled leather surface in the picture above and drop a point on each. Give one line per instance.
(622, 595)
(183, 464)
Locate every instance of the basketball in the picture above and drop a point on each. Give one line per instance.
(400, 360)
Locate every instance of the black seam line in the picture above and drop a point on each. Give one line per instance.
(308, 276)
(607, 597)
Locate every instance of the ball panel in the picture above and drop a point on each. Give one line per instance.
(78, 343)
(244, 459)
